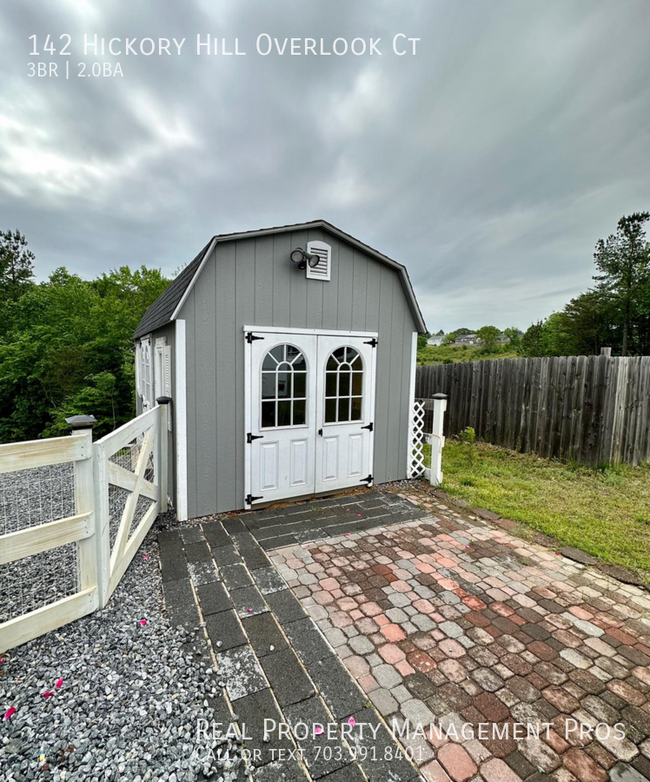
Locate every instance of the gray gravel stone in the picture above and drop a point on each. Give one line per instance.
(130, 698)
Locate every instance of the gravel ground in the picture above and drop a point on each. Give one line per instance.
(28, 498)
(129, 700)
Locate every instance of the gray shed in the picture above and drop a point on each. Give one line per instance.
(291, 374)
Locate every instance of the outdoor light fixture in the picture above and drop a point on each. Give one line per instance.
(302, 258)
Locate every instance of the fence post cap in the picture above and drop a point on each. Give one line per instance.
(163, 400)
(81, 421)
(439, 396)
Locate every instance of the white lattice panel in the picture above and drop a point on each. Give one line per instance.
(416, 467)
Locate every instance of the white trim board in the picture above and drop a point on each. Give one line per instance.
(411, 397)
(320, 332)
(248, 413)
(180, 416)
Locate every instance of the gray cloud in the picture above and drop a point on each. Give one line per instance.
(489, 164)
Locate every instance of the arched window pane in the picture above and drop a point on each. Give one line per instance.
(299, 385)
(299, 412)
(284, 380)
(284, 385)
(268, 385)
(284, 413)
(330, 383)
(343, 386)
(344, 383)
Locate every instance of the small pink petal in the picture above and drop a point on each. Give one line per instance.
(58, 683)
(143, 621)
(318, 730)
(145, 556)
(9, 713)
(358, 514)
(347, 534)
(352, 721)
(48, 694)
(250, 610)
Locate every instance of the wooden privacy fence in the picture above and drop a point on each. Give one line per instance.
(590, 409)
(73, 513)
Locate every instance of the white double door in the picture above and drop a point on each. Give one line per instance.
(310, 413)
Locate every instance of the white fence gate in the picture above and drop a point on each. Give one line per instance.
(73, 513)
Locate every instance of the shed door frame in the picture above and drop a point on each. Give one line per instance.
(248, 396)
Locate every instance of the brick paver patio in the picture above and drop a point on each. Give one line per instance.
(455, 622)
(271, 662)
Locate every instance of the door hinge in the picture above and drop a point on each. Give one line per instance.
(250, 337)
(368, 480)
(250, 437)
(370, 427)
(249, 499)
(373, 342)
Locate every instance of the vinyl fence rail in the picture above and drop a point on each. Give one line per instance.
(589, 409)
(72, 516)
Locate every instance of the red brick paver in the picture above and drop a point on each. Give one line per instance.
(452, 621)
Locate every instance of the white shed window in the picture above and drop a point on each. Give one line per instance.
(323, 269)
(163, 371)
(146, 370)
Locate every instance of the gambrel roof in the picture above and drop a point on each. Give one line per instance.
(167, 306)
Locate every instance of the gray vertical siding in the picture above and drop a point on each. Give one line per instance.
(251, 281)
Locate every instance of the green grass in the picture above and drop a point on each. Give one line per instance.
(603, 512)
(450, 354)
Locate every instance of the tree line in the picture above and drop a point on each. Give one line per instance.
(615, 312)
(66, 344)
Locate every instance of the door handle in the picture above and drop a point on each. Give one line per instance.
(370, 427)
(320, 432)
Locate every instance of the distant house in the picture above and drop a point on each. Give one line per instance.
(467, 339)
(473, 339)
(436, 340)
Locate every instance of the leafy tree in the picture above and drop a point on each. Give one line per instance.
(16, 266)
(531, 342)
(546, 338)
(489, 336)
(68, 348)
(422, 341)
(588, 323)
(514, 337)
(623, 263)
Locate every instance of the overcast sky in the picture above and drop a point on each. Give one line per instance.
(489, 163)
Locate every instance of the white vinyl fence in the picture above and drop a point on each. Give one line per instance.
(73, 513)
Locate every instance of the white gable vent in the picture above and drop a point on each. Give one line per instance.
(322, 270)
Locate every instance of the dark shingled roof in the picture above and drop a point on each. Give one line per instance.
(160, 312)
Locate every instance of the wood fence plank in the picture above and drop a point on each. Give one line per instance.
(41, 453)
(43, 537)
(24, 628)
(586, 408)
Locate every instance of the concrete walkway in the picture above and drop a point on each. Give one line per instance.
(456, 622)
(273, 663)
